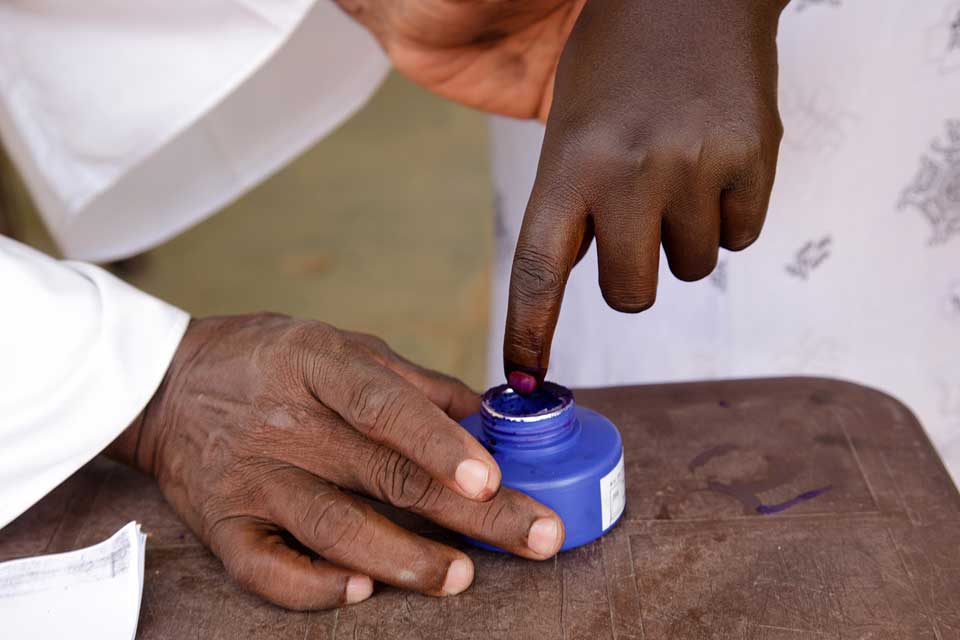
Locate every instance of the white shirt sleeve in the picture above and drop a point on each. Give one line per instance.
(81, 353)
(131, 121)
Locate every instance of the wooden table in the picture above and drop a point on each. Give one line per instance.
(778, 509)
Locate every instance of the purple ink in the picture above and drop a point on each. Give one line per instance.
(769, 509)
(548, 398)
(779, 473)
(522, 383)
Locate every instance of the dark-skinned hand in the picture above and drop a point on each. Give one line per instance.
(264, 425)
(663, 128)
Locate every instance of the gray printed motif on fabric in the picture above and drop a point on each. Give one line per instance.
(804, 4)
(935, 191)
(818, 120)
(943, 39)
(954, 37)
(810, 256)
(952, 304)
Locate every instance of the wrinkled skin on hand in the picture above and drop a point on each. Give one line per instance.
(663, 128)
(264, 425)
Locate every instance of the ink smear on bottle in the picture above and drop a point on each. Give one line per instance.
(564, 456)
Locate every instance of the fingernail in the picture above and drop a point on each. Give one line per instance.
(522, 383)
(359, 589)
(472, 476)
(543, 537)
(459, 577)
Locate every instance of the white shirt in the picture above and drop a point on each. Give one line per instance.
(131, 121)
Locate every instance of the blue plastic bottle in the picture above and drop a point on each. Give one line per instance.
(567, 457)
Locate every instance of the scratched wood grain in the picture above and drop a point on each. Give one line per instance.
(876, 554)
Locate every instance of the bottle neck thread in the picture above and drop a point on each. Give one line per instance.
(541, 421)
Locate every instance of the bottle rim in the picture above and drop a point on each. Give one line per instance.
(492, 402)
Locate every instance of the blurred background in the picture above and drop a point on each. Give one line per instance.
(385, 226)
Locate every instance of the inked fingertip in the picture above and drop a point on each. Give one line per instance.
(521, 382)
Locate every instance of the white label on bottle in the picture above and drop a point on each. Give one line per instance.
(613, 494)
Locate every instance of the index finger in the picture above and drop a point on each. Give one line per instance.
(388, 409)
(553, 231)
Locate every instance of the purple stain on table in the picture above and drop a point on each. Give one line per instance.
(779, 473)
(769, 509)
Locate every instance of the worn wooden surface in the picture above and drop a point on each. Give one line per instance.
(876, 555)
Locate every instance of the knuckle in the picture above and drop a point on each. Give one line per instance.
(376, 409)
(306, 342)
(493, 516)
(332, 522)
(769, 123)
(402, 483)
(374, 345)
(327, 338)
(503, 522)
(741, 147)
(746, 156)
(683, 160)
(314, 333)
(756, 149)
(378, 344)
(267, 318)
(535, 276)
(585, 140)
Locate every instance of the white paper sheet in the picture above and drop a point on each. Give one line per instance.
(88, 593)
